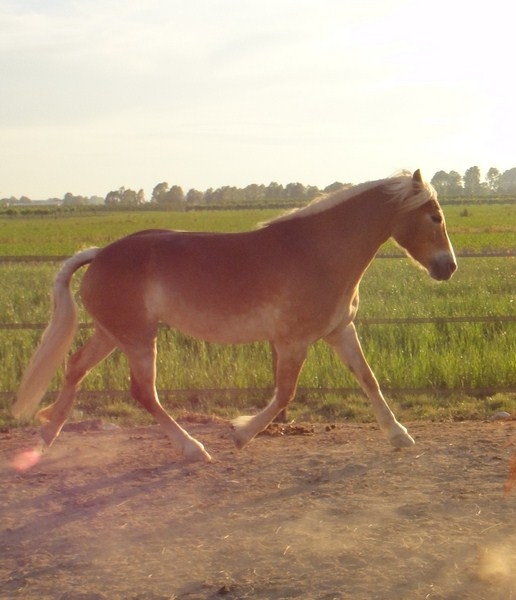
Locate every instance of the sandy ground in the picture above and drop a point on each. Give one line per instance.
(333, 514)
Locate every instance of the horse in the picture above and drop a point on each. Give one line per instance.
(291, 281)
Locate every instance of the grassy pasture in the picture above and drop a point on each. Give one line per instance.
(473, 228)
(437, 356)
(57, 236)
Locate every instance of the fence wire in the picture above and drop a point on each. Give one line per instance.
(236, 392)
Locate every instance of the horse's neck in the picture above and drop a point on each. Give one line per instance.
(355, 229)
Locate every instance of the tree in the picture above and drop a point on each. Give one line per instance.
(209, 195)
(311, 192)
(70, 200)
(226, 193)
(455, 184)
(159, 190)
(335, 187)
(440, 181)
(172, 198)
(274, 191)
(295, 191)
(194, 197)
(175, 195)
(140, 197)
(128, 198)
(493, 179)
(254, 192)
(472, 185)
(125, 197)
(447, 184)
(114, 197)
(508, 182)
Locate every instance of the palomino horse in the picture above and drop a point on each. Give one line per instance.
(293, 281)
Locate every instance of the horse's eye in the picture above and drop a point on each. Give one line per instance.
(437, 219)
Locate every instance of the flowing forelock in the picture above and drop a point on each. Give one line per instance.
(401, 188)
(407, 193)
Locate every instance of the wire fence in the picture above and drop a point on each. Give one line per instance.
(61, 258)
(236, 392)
(194, 395)
(359, 321)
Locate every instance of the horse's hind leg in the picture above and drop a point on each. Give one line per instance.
(79, 365)
(281, 417)
(290, 359)
(142, 363)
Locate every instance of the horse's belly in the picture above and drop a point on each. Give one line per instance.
(222, 322)
(223, 327)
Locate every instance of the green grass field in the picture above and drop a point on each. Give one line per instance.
(432, 357)
(486, 227)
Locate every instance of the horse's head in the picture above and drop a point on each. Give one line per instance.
(421, 231)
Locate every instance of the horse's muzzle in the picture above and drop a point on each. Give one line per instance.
(443, 267)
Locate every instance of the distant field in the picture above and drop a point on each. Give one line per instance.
(483, 227)
(428, 356)
(61, 236)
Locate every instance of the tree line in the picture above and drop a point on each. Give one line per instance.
(471, 184)
(447, 184)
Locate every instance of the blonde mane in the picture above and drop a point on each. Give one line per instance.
(400, 187)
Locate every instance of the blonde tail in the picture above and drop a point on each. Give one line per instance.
(56, 339)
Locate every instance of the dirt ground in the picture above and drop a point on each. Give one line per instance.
(333, 514)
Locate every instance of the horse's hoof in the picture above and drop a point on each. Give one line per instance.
(402, 440)
(48, 432)
(240, 433)
(195, 452)
(239, 441)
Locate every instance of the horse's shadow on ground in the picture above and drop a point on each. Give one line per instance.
(59, 502)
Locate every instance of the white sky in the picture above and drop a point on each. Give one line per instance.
(99, 94)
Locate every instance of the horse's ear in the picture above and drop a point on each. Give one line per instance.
(417, 177)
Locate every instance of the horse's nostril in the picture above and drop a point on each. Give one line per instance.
(443, 268)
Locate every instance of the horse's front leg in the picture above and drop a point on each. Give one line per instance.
(345, 342)
(289, 361)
